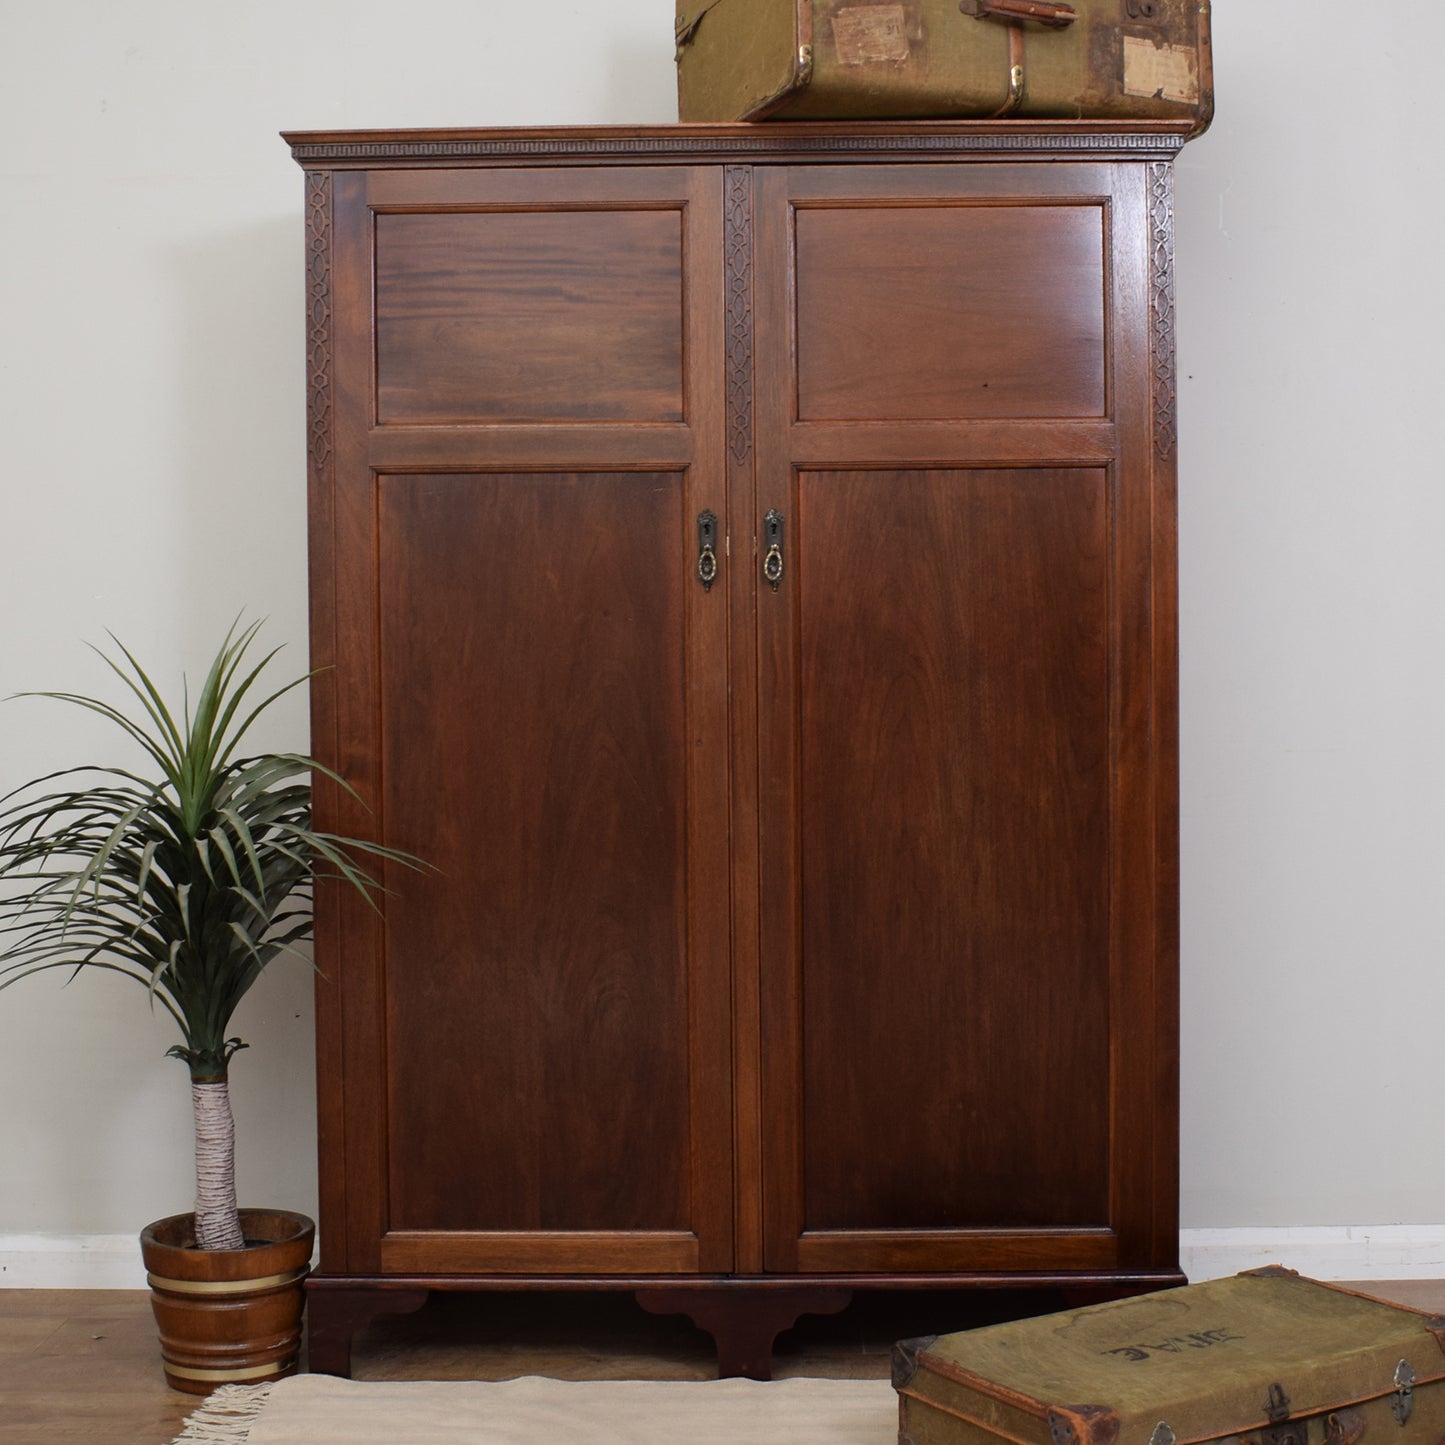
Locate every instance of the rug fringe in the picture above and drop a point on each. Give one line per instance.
(226, 1417)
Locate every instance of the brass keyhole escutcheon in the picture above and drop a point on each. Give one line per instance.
(773, 540)
(707, 563)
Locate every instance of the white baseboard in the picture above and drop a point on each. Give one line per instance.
(71, 1261)
(1363, 1251)
(1366, 1251)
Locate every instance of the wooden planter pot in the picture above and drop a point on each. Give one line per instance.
(229, 1316)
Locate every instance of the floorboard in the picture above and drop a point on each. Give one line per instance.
(83, 1366)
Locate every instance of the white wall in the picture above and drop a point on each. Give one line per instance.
(152, 460)
(152, 482)
(1311, 316)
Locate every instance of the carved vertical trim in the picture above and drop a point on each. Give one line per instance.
(318, 322)
(738, 247)
(1161, 347)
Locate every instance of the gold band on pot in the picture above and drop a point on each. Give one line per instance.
(253, 1372)
(224, 1286)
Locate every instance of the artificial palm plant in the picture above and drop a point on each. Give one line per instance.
(190, 882)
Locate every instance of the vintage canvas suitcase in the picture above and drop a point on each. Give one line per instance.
(1266, 1358)
(838, 59)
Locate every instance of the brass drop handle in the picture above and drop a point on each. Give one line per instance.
(773, 548)
(707, 563)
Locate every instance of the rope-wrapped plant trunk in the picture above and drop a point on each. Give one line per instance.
(218, 1224)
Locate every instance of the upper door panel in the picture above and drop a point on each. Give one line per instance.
(540, 299)
(950, 310)
(920, 296)
(529, 316)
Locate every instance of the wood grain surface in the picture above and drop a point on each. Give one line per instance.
(949, 311)
(955, 840)
(537, 1021)
(529, 316)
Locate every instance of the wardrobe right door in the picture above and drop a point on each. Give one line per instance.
(965, 723)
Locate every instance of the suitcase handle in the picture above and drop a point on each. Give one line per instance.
(1016, 12)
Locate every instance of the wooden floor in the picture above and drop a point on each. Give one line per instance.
(83, 1365)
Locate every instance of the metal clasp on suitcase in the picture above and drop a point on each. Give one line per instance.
(1015, 14)
(1282, 1430)
(1402, 1402)
(1341, 1427)
(1344, 1427)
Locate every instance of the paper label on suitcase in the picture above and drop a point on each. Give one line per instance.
(1170, 72)
(864, 33)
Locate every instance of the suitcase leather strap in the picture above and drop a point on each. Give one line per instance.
(1015, 96)
(1014, 14)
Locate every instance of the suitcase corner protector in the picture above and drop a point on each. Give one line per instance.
(1083, 1425)
(905, 1359)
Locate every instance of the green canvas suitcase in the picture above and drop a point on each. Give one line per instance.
(842, 59)
(1265, 1358)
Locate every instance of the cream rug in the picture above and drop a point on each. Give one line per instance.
(322, 1410)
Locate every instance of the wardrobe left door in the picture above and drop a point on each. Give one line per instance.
(517, 436)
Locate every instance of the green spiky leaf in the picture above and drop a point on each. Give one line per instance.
(192, 882)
